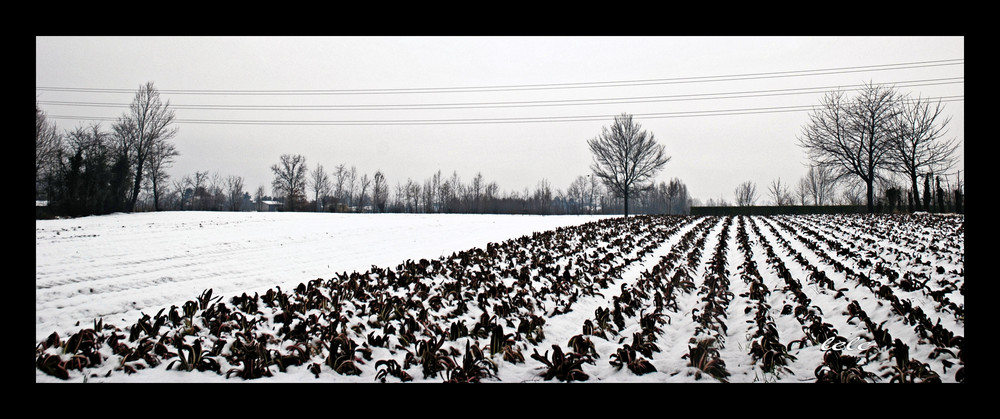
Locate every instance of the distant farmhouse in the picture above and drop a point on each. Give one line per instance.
(270, 206)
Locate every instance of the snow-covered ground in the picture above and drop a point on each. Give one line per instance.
(116, 266)
(119, 267)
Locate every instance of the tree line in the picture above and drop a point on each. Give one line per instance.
(881, 149)
(881, 143)
(820, 188)
(344, 189)
(90, 171)
(873, 148)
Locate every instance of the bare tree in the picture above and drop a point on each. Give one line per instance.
(187, 194)
(457, 190)
(450, 192)
(854, 138)
(161, 156)
(490, 194)
(234, 192)
(290, 179)
(169, 196)
(401, 198)
(625, 157)
(320, 184)
(594, 191)
(48, 143)
(429, 191)
(199, 192)
(476, 189)
(745, 194)
(802, 191)
(821, 184)
(780, 194)
(258, 198)
(339, 178)
(678, 201)
(148, 122)
(577, 194)
(920, 147)
(542, 197)
(363, 185)
(215, 190)
(432, 192)
(413, 192)
(380, 191)
(177, 188)
(351, 180)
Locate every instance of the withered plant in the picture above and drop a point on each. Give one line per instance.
(531, 327)
(196, 358)
(704, 356)
(627, 356)
(56, 358)
(297, 354)
(389, 367)
(432, 358)
(840, 368)
(252, 355)
(474, 367)
(564, 367)
(583, 345)
(341, 355)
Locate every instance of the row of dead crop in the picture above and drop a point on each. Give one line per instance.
(906, 369)
(765, 347)
(908, 237)
(836, 367)
(910, 282)
(703, 354)
(567, 365)
(655, 293)
(917, 280)
(711, 329)
(936, 233)
(883, 339)
(646, 299)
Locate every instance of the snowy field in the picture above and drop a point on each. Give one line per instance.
(753, 299)
(116, 266)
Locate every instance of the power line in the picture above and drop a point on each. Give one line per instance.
(720, 112)
(563, 102)
(676, 80)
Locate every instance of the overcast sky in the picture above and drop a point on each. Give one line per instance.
(516, 109)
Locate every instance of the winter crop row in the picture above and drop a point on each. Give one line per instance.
(664, 298)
